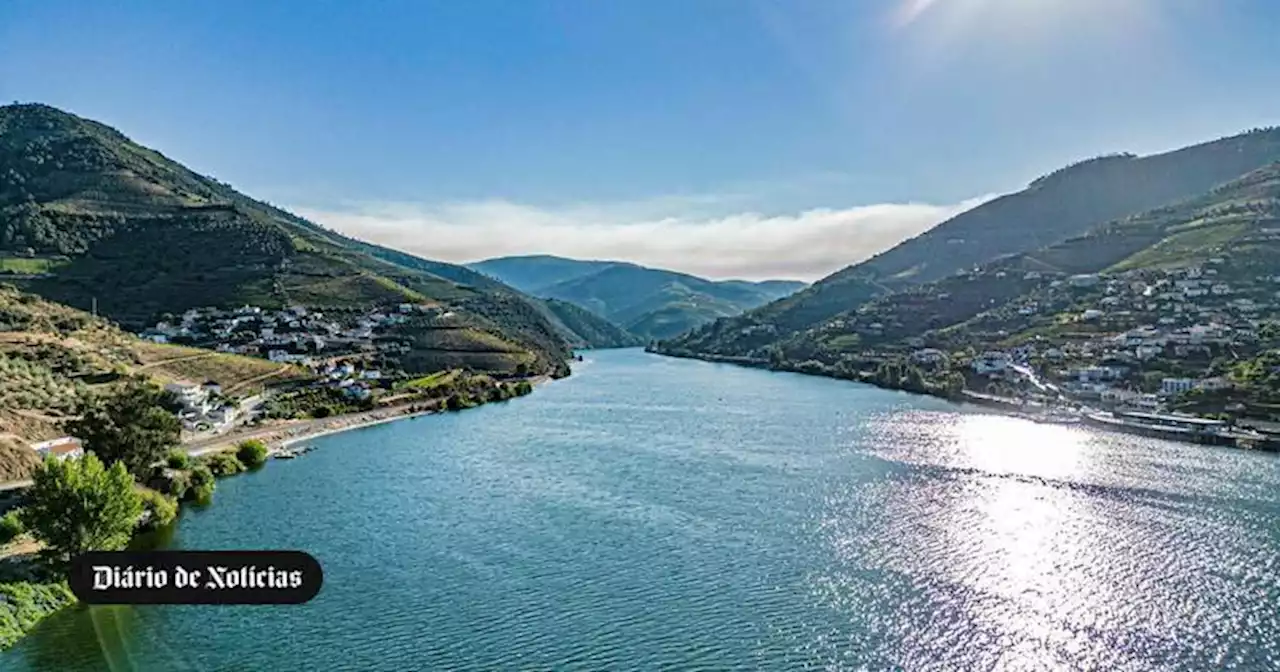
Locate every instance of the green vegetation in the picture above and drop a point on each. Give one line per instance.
(81, 505)
(1093, 197)
(23, 604)
(238, 375)
(252, 453)
(132, 427)
(28, 265)
(314, 402)
(648, 303)
(222, 465)
(11, 526)
(430, 381)
(200, 483)
(178, 459)
(158, 509)
(144, 236)
(584, 329)
(56, 360)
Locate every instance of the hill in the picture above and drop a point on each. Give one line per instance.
(1185, 292)
(647, 302)
(1065, 204)
(578, 328)
(89, 217)
(52, 358)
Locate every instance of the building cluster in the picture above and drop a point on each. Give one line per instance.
(293, 335)
(202, 406)
(1178, 320)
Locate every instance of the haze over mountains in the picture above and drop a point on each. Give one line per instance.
(90, 218)
(1114, 212)
(648, 302)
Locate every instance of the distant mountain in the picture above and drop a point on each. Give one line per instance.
(577, 327)
(647, 302)
(1230, 234)
(1062, 205)
(88, 216)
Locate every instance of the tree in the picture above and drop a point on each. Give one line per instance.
(131, 426)
(80, 505)
(252, 453)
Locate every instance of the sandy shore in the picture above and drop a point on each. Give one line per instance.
(283, 434)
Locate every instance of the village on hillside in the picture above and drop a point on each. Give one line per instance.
(341, 355)
(1168, 347)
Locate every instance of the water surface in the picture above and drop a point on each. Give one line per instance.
(652, 513)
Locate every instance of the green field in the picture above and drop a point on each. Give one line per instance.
(428, 382)
(28, 266)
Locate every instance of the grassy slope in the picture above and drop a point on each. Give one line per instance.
(1057, 207)
(53, 356)
(1237, 223)
(142, 235)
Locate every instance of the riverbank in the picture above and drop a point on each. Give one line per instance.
(1194, 430)
(24, 601)
(280, 437)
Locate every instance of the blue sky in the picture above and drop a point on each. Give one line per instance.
(725, 137)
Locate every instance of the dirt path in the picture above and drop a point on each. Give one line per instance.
(164, 362)
(257, 379)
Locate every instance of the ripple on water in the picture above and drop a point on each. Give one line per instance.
(664, 514)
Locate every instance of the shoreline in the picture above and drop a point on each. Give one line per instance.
(283, 436)
(278, 440)
(1005, 407)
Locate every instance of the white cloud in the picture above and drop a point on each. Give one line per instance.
(806, 245)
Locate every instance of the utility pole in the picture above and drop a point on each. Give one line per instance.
(95, 306)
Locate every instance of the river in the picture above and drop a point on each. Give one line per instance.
(651, 513)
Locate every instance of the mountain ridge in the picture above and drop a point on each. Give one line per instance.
(108, 223)
(648, 302)
(1065, 203)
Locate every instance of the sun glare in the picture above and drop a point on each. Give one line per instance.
(1000, 444)
(1019, 18)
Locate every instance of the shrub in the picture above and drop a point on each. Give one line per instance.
(178, 459)
(23, 604)
(252, 453)
(11, 526)
(223, 464)
(201, 483)
(177, 484)
(321, 412)
(523, 387)
(459, 401)
(162, 508)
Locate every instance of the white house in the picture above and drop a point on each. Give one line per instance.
(192, 397)
(1214, 383)
(1083, 280)
(67, 447)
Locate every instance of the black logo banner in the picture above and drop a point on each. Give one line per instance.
(196, 577)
